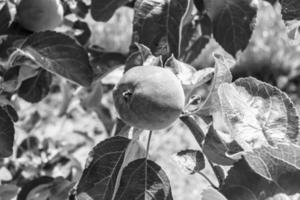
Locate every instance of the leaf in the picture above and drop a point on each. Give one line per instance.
(157, 25)
(40, 186)
(212, 194)
(191, 123)
(220, 174)
(190, 78)
(36, 88)
(133, 152)
(191, 160)
(60, 188)
(85, 35)
(236, 192)
(232, 21)
(8, 43)
(5, 18)
(102, 168)
(222, 75)
(187, 28)
(215, 149)
(20, 74)
(59, 54)
(103, 10)
(271, 162)
(242, 183)
(7, 132)
(290, 9)
(143, 179)
(8, 191)
(258, 114)
(196, 35)
(183, 71)
(11, 112)
(141, 55)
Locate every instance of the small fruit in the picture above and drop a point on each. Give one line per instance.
(40, 15)
(149, 97)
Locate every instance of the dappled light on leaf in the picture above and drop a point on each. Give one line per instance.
(258, 114)
(271, 162)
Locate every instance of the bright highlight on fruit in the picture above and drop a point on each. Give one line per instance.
(40, 15)
(149, 97)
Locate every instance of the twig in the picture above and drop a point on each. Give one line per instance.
(148, 144)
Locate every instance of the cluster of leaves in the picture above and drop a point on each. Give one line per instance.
(250, 125)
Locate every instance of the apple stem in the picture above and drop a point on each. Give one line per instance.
(148, 144)
(126, 95)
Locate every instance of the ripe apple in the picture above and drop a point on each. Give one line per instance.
(149, 97)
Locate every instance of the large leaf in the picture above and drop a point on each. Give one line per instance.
(157, 25)
(290, 9)
(271, 162)
(103, 10)
(144, 180)
(59, 54)
(7, 132)
(99, 178)
(258, 114)
(232, 21)
(36, 88)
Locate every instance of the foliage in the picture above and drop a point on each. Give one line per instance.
(240, 123)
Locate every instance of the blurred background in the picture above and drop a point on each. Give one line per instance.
(64, 125)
